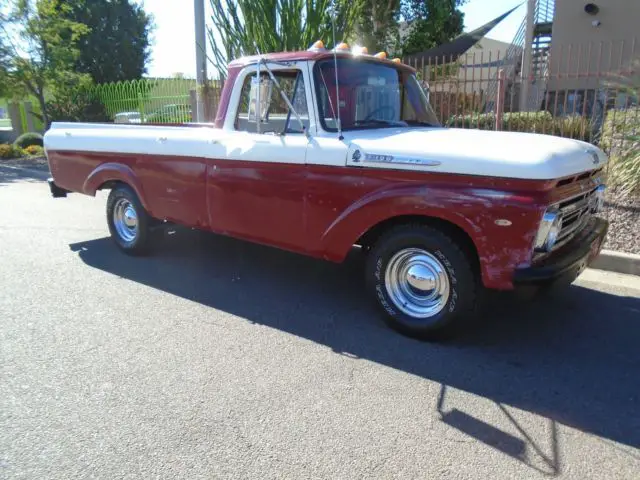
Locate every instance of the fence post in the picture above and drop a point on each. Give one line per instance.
(500, 99)
(141, 107)
(28, 112)
(193, 102)
(16, 118)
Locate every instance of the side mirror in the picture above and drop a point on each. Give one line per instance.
(264, 87)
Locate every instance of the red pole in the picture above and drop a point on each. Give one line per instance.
(500, 99)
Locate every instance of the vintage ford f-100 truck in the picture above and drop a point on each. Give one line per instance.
(318, 151)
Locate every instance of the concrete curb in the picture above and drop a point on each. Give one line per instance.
(619, 262)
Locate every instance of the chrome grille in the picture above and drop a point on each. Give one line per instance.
(575, 212)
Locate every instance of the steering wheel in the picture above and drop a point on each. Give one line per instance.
(384, 108)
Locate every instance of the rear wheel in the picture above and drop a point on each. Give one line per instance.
(128, 221)
(422, 281)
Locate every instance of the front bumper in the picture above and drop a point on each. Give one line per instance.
(568, 262)
(56, 191)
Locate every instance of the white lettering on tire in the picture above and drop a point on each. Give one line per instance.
(383, 301)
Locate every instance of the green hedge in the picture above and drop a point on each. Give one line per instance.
(27, 139)
(572, 126)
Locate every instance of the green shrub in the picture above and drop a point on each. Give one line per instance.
(618, 126)
(481, 121)
(625, 169)
(621, 139)
(531, 122)
(10, 151)
(511, 121)
(77, 104)
(27, 139)
(573, 126)
(34, 150)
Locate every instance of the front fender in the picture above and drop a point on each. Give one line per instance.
(382, 205)
(108, 172)
(501, 248)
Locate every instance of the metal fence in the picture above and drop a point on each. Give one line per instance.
(587, 92)
(19, 116)
(155, 100)
(577, 91)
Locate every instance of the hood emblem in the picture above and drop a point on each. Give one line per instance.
(378, 158)
(356, 156)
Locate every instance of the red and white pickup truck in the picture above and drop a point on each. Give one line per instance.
(316, 153)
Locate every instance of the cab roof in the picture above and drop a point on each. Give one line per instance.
(307, 55)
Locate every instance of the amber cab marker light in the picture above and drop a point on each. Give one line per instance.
(342, 46)
(396, 60)
(317, 45)
(381, 55)
(357, 50)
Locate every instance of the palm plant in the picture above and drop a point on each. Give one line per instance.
(244, 27)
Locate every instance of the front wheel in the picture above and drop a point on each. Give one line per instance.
(128, 221)
(423, 282)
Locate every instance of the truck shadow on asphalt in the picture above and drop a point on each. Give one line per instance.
(572, 359)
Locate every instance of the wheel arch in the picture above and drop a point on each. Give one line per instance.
(109, 175)
(455, 232)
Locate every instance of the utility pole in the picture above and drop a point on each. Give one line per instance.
(201, 57)
(526, 55)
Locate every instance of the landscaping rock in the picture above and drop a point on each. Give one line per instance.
(623, 213)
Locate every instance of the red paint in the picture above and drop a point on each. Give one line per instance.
(320, 210)
(259, 201)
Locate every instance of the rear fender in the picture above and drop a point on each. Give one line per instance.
(110, 172)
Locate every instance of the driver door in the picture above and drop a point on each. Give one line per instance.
(257, 191)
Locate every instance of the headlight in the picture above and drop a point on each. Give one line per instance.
(548, 231)
(597, 199)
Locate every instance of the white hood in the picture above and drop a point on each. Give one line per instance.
(472, 152)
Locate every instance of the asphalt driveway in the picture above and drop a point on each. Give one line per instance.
(215, 358)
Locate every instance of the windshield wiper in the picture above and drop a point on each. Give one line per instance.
(375, 121)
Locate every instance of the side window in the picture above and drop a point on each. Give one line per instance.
(276, 116)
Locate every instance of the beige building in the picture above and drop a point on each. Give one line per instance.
(592, 38)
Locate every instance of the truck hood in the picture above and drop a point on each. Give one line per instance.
(472, 152)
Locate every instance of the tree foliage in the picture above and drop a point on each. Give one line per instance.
(378, 26)
(244, 27)
(431, 23)
(41, 46)
(117, 45)
(5, 53)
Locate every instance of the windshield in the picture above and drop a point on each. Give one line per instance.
(372, 95)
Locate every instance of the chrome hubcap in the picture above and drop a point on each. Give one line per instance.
(417, 283)
(125, 220)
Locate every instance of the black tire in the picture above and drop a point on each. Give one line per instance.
(464, 286)
(140, 243)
